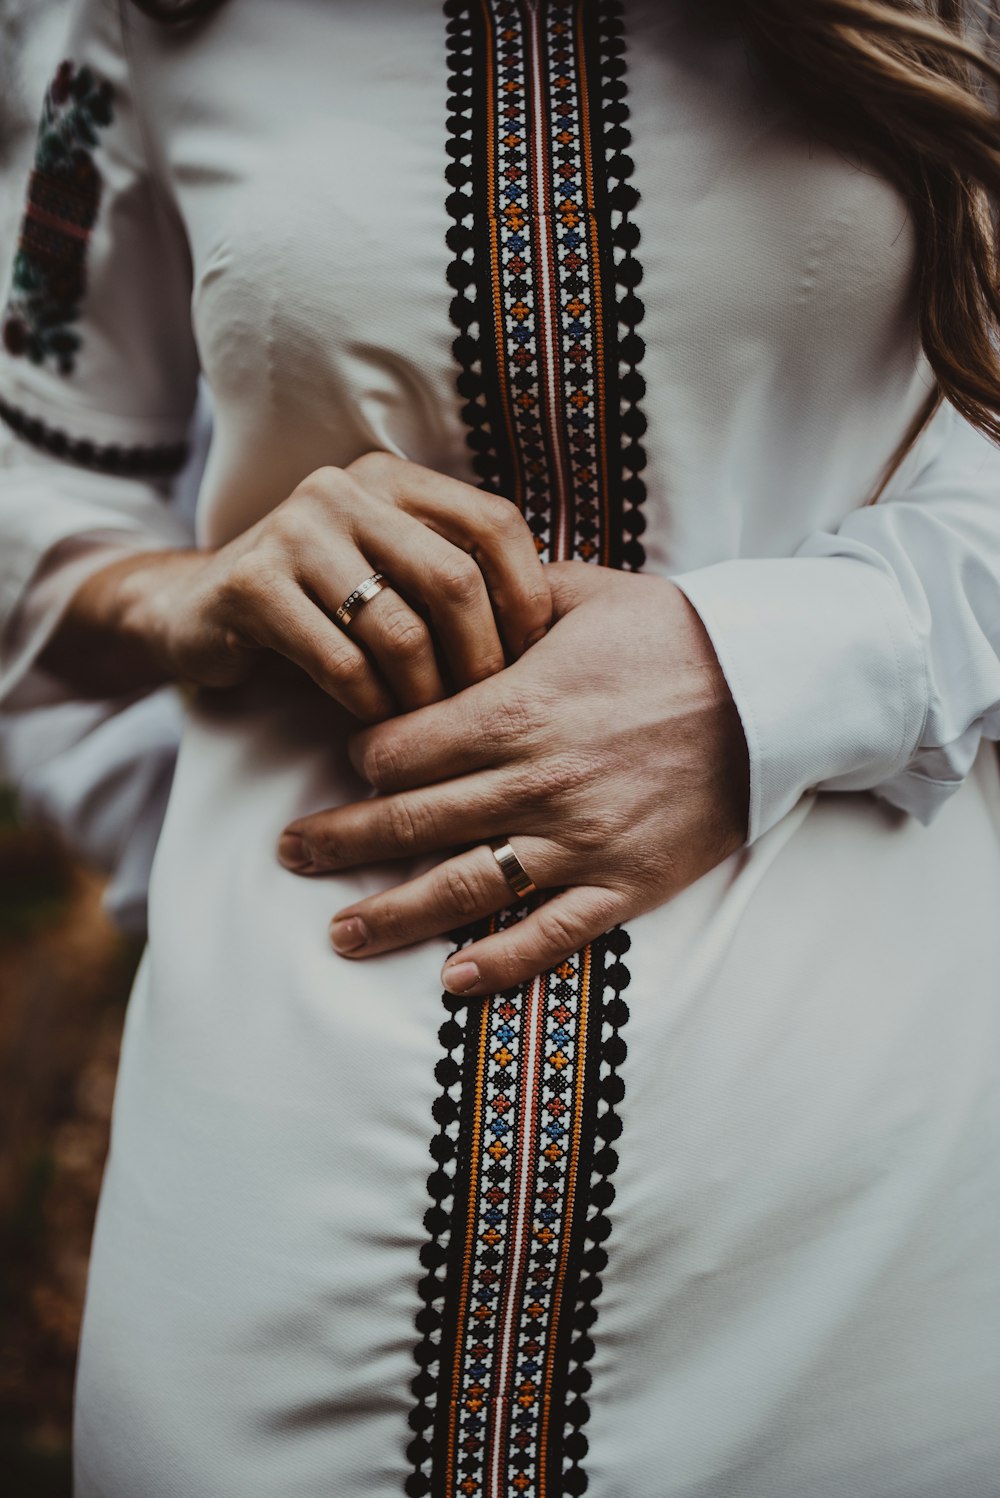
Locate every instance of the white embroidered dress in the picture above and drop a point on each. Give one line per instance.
(782, 1278)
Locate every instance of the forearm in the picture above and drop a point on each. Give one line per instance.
(109, 641)
(206, 616)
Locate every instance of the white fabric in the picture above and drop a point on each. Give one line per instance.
(803, 1295)
(868, 659)
(97, 773)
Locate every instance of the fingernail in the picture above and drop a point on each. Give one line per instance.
(292, 851)
(459, 977)
(348, 935)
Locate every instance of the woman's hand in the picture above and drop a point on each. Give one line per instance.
(611, 755)
(464, 592)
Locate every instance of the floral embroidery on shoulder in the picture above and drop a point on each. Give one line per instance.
(64, 194)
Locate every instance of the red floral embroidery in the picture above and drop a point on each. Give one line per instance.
(64, 194)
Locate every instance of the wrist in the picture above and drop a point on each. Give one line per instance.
(732, 755)
(138, 601)
(113, 638)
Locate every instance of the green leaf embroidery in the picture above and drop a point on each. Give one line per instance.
(64, 194)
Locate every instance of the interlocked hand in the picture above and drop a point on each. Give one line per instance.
(610, 754)
(464, 592)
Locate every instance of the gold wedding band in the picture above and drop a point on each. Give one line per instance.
(512, 868)
(355, 602)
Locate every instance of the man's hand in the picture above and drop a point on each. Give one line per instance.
(611, 754)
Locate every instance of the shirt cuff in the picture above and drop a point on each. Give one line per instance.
(826, 669)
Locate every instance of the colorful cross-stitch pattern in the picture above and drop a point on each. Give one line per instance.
(545, 276)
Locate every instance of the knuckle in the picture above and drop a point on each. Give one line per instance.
(375, 467)
(290, 529)
(404, 634)
(515, 718)
(459, 578)
(348, 669)
(326, 479)
(520, 960)
(489, 663)
(318, 485)
(404, 824)
(536, 599)
(605, 912)
(329, 491)
(462, 891)
(594, 834)
(245, 582)
(381, 763)
(558, 929)
(557, 777)
(502, 517)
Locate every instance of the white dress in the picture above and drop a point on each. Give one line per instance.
(712, 1211)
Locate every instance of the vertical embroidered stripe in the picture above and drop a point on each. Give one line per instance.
(543, 273)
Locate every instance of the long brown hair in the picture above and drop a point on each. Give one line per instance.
(910, 86)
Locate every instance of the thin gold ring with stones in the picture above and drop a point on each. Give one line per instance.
(512, 868)
(355, 602)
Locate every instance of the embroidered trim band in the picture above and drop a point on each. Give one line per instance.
(544, 276)
(543, 243)
(525, 1156)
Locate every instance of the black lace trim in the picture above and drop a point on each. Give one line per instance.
(615, 200)
(443, 1185)
(588, 1258)
(502, 1379)
(468, 239)
(448, 1246)
(496, 461)
(153, 461)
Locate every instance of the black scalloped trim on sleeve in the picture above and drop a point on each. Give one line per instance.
(155, 461)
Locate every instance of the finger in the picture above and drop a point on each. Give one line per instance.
(495, 723)
(492, 530)
(544, 938)
(448, 585)
(403, 826)
(462, 889)
(294, 627)
(570, 584)
(391, 633)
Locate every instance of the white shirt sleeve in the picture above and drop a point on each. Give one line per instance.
(98, 366)
(98, 379)
(870, 660)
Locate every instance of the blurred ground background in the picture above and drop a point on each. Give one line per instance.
(64, 978)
